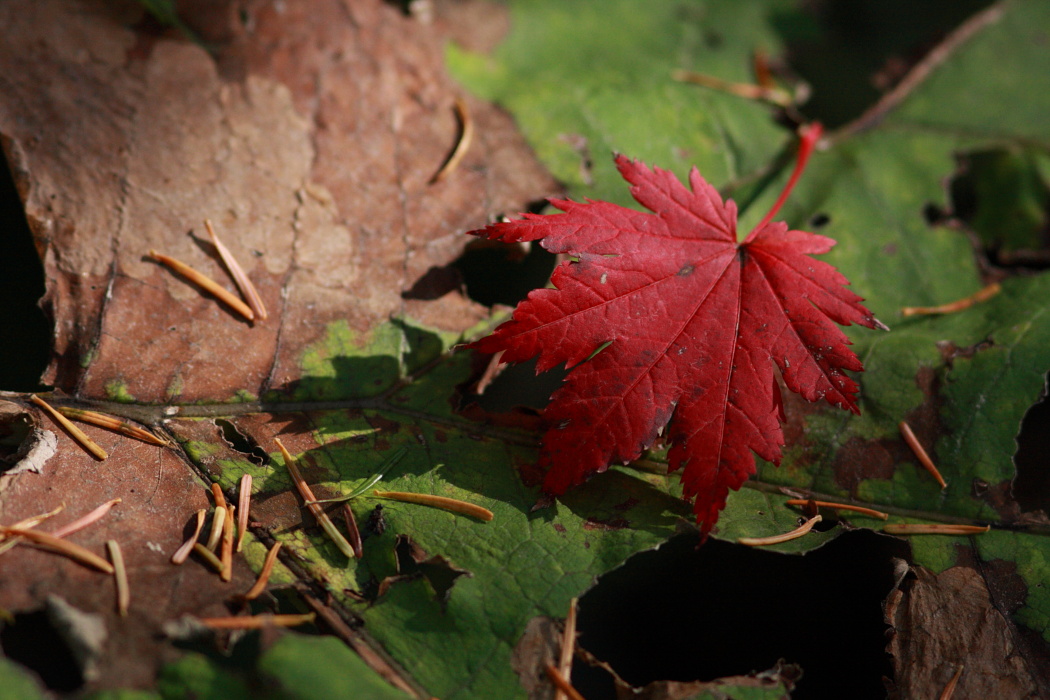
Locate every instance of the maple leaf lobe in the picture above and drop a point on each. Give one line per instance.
(696, 321)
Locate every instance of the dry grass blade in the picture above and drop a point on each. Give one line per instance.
(786, 537)
(183, 552)
(977, 297)
(934, 529)
(206, 283)
(208, 556)
(227, 547)
(838, 506)
(60, 546)
(315, 508)
(244, 500)
(568, 649)
(466, 135)
(561, 684)
(85, 520)
(255, 622)
(240, 277)
(264, 576)
(74, 432)
(450, 504)
(111, 423)
(120, 573)
(920, 452)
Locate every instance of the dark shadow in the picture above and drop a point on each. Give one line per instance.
(1031, 486)
(27, 333)
(853, 51)
(489, 272)
(33, 641)
(683, 613)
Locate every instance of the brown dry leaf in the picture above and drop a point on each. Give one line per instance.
(308, 139)
(941, 621)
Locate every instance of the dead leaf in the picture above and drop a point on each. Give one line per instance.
(942, 621)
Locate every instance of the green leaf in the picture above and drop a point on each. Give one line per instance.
(304, 668)
(17, 683)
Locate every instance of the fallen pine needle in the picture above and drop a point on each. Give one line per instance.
(752, 92)
(206, 283)
(240, 278)
(60, 546)
(208, 556)
(218, 495)
(120, 574)
(85, 520)
(312, 505)
(74, 432)
(450, 504)
(561, 684)
(466, 135)
(838, 506)
(9, 541)
(244, 499)
(949, 689)
(264, 576)
(218, 519)
(934, 529)
(226, 557)
(111, 423)
(568, 648)
(352, 529)
(920, 452)
(959, 305)
(786, 537)
(255, 622)
(184, 551)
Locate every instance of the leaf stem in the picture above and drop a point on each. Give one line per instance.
(809, 134)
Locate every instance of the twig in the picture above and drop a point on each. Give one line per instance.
(311, 503)
(450, 504)
(920, 452)
(838, 506)
(206, 283)
(248, 290)
(74, 432)
(786, 537)
(983, 294)
(120, 574)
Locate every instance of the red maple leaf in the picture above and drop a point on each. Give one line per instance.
(687, 324)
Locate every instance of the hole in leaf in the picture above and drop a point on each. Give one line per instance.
(25, 354)
(1002, 197)
(682, 613)
(244, 444)
(503, 274)
(853, 51)
(414, 562)
(819, 221)
(1031, 487)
